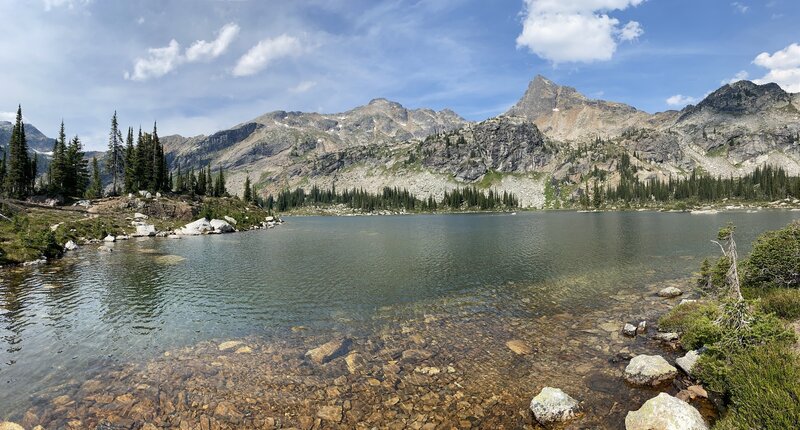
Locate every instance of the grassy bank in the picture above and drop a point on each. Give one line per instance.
(30, 232)
(746, 330)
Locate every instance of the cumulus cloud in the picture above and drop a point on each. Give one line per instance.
(158, 62)
(265, 52)
(740, 76)
(576, 30)
(681, 100)
(204, 51)
(8, 116)
(783, 66)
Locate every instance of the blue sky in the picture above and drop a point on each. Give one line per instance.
(200, 66)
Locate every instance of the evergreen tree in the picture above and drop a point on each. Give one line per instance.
(131, 181)
(201, 183)
(18, 171)
(95, 191)
(179, 187)
(58, 165)
(248, 193)
(76, 171)
(115, 157)
(3, 168)
(219, 185)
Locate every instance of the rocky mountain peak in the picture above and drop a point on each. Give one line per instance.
(742, 98)
(543, 97)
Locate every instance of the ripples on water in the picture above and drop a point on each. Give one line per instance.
(350, 274)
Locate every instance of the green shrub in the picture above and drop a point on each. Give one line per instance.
(695, 321)
(715, 365)
(785, 303)
(775, 260)
(763, 388)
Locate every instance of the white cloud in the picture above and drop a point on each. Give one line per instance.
(303, 86)
(203, 51)
(8, 116)
(739, 76)
(784, 68)
(631, 31)
(681, 100)
(140, 21)
(159, 62)
(740, 7)
(69, 4)
(575, 31)
(265, 52)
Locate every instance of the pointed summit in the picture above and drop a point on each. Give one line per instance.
(544, 97)
(563, 113)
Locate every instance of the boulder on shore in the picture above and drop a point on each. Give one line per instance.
(221, 226)
(110, 239)
(195, 228)
(231, 220)
(143, 229)
(688, 361)
(649, 370)
(670, 292)
(70, 246)
(552, 405)
(665, 412)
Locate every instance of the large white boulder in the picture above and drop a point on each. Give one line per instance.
(143, 229)
(195, 228)
(670, 292)
(649, 370)
(221, 226)
(70, 246)
(665, 412)
(231, 220)
(552, 405)
(110, 239)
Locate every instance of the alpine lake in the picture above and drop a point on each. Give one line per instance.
(432, 321)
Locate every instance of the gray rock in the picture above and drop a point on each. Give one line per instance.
(670, 292)
(140, 216)
(552, 405)
(688, 361)
(143, 230)
(642, 327)
(649, 370)
(221, 226)
(8, 425)
(70, 246)
(629, 330)
(231, 220)
(665, 412)
(105, 249)
(110, 239)
(667, 337)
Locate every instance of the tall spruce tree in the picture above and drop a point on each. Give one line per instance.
(201, 182)
(130, 163)
(247, 196)
(115, 157)
(58, 165)
(18, 172)
(3, 170)
(76, 172)
(219, 185)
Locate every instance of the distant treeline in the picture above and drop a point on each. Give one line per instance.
(393, 198)
(765, 183)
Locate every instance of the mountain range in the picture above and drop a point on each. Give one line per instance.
(553, 138)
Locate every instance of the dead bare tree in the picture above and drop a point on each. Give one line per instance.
(736, 314)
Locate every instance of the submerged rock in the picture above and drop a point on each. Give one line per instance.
(649, 370)
(518, 347)
(552, 405)
(670, 292)
(328, 351)
(105, 249)
(665, 412)
(224, 346)
(8, 425)
(688, 361)
(330, 413)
